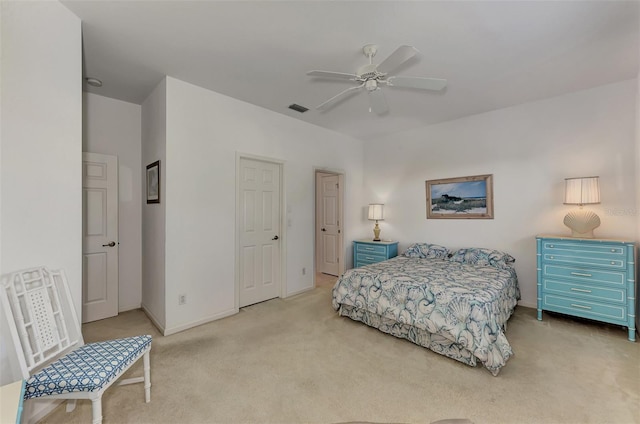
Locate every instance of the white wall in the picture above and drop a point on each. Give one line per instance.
(41, 143)
(529, 149)
(205, 130)
(154, 138)
(112, 127)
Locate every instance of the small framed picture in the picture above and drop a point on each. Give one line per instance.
(460, 198)
(153, 182)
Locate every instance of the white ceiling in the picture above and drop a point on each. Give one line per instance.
(494, 54)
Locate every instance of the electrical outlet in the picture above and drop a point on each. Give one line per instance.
(182, 299)
(304, 271)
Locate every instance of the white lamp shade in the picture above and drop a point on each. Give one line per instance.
(581, 191)
(376, 212)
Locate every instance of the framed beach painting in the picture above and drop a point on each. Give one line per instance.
(153, 182)
(460, 198)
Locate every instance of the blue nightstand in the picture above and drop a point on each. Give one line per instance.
(367, 252)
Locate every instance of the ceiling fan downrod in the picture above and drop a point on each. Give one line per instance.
(369, 72)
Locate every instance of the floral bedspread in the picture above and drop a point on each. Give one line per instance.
(466, 304)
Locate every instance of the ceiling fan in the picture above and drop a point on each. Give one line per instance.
(371, 77)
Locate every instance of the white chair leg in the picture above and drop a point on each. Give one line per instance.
(147, 377)
(71, 405)
(96, 409)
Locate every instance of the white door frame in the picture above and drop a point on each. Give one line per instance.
(283, 227)
(343, 178)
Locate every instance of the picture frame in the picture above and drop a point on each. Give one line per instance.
(460, 198)
(153, 182)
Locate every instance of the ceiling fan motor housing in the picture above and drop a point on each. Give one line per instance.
(368, 72)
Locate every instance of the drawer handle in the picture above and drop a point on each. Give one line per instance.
(613, 263)
(580, 290)
(580, 274)
(613, 250)
(368, 248)
(551, 257)
(551, 246)
(581, 306)
(370, 258)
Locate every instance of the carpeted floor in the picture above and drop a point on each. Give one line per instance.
(296, 361)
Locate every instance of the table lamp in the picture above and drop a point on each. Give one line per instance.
(376, 214)
(582, 191)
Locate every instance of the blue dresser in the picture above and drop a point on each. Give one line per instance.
(588, 278)
(367, 252)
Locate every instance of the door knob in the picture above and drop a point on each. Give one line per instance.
(324, 229)
(275, 238)
(110, 244)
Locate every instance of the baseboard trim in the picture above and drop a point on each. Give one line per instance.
(129, 308)
(299, 292)
(183, 327)
(153, 319)
(37, 409)
(528, 305)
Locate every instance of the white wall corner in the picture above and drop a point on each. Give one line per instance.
(155, 320)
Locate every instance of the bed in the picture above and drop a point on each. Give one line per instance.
(454, 303)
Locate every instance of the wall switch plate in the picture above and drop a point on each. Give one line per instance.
(182, 299)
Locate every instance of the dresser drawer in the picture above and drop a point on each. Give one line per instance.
(585, 308)
(364, 259)
(601, 255)
(585, 291)
(586, 275)
(372, 249)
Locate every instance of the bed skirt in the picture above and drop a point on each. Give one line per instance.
(434, 342)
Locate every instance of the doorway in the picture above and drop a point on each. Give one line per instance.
(99, 236)
(259, 226)
(329, 201)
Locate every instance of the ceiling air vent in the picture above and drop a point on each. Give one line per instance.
(298, 108)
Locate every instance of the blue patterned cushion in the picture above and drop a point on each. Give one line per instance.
(87, 368)
(426, 250)
(483, 257)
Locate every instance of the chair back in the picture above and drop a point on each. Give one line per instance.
(41, 316)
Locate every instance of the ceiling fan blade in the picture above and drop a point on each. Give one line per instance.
(378, 102)
(341, 95)
(330, 74)
(417, 82)
(397, 58)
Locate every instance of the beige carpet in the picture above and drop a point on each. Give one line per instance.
(296, 361)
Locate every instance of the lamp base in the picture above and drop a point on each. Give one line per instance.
(376, 232)
(582, 223)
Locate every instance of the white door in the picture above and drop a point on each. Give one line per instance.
(99, 236)
(259, 226)
(328, 230)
